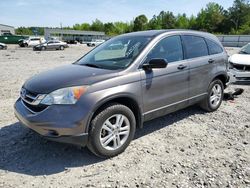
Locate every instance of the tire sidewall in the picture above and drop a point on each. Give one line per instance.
(102, 117)
(210, 91)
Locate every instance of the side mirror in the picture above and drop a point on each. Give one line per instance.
(155, 64)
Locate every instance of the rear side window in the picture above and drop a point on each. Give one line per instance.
(169, 48)
(213, 47)
(195, 46)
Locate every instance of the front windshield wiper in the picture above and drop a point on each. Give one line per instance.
(91, 65)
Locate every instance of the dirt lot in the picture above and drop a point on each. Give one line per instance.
(189, 148)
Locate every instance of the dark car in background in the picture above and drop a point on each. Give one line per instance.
(102, 98)
(51, 45)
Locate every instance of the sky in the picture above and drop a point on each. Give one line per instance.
(50, 13)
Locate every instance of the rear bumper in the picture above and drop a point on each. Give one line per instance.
(50, 125)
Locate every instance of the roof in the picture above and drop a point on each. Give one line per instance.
(6, 25)
(154, 33)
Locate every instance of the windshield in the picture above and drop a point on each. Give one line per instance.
(245, 49)
(116, 53)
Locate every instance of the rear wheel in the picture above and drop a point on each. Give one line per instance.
(43, 48)
(112, 130)
(61, 47)
(215, 96)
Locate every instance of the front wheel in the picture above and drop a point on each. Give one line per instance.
(112, 130)
(215, 96)
(61, 47)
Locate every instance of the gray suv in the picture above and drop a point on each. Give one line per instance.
(102, 98)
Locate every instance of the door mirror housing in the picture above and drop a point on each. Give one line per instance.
(155, 63)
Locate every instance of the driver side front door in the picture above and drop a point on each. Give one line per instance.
(166, 89)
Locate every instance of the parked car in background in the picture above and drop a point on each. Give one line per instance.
(8, 38)
(32, 41)
(3, 46)
(71, 41)
(239, 64)
(51, 45)
(102, 98)
(95, 42)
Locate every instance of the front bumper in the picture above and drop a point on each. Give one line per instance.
(237, 75)
(57, 123)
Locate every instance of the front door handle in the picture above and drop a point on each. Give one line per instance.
(210, 60)
(181, 67)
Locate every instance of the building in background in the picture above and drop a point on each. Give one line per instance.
(73, 35)
(6, 29)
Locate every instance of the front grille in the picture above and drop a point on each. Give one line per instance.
(34, 108)
(241, 67)
(29, 96)
(32, 101)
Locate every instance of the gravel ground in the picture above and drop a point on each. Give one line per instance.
(189, 148)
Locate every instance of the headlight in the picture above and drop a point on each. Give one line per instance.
(68, 95)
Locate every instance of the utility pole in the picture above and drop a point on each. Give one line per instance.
(61, 31)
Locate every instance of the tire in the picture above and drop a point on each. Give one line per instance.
(43, 48)
(103, 134)
(214, 97)
(25, 45)
(61, 47)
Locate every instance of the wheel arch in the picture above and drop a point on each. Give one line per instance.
(125, 100)
(223, 77)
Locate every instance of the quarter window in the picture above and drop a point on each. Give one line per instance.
(169, 48)
(195, 46)
(213, 48)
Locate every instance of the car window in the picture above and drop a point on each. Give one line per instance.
(169, 48)
(116, 53)
(195, 46)
(213, 48)
(245, 49)
(34, 39)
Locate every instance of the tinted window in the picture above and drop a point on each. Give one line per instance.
(195, 46)
(169, 48)
(213, 48)
(34, 39)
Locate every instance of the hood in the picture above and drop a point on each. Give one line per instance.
(67, 76)
(242, 59)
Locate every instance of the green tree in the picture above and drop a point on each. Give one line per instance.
(109, 29)
(210, 18)
(140, 23)
(239, 13)
(182, 21)
(154, 23)
(97, 25)
(167, 20)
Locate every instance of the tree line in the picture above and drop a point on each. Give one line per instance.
(213, 18)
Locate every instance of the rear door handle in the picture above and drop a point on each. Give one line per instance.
(210, 60)
(181, 67)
